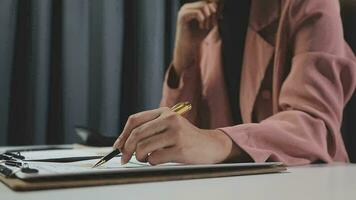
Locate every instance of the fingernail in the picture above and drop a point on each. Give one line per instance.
(122, 160)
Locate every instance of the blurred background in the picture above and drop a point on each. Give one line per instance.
(80, 62)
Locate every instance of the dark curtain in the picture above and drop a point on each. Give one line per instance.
(348, 13)
(80, 62)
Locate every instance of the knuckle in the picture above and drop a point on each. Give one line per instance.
(207, 8)
(140, 147)
(129, 145)
(165, 109)
(171, 116)
(132, 118)
(200, 13)
(184, 6)
(134, 134)
(132, 139)
(202, 9)
(181, 13)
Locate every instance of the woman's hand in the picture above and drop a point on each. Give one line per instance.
(161, 136)
(194, 22)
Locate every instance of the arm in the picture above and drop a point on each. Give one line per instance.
(182, 80)
(160, 136)
(180, 89)
(321, 81)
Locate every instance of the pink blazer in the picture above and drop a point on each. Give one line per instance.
(297, 75)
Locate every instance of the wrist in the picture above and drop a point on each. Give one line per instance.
(184, 59)
(232, 151)
(225, 149)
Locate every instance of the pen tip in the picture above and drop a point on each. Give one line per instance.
(98, 164)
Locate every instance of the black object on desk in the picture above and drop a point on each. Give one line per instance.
(92, 137)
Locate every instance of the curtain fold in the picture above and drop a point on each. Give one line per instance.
(7, 32)
(80, 62)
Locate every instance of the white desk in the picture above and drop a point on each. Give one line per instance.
(299, 183)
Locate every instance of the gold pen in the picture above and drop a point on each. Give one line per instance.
(179, 108)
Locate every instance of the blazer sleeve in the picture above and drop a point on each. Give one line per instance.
(188, 89)
(312, 98)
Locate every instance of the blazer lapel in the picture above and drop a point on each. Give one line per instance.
(258, 54)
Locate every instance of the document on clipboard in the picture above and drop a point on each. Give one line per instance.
(82, 168)
(22, 175)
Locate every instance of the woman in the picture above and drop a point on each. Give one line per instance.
(284, 103)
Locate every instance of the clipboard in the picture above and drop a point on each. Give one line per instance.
(137, 175)
(62, 175)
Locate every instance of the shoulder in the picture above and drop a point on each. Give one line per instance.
(314, 25)
(300, 9)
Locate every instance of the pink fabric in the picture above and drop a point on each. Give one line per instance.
(297, 75)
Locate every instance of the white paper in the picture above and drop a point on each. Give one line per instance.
(50, 169)
(65, 153)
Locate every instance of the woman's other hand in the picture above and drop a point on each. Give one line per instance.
(195, 20)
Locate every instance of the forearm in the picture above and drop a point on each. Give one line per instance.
(184, 56)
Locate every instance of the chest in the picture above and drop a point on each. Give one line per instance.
(264, 67)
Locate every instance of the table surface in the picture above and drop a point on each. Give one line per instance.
(307, 182)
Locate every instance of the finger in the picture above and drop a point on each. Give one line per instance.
(140, 133)
(207, 14)
(162, 156)
(210, 23)
(135, 121)
(195, 14)
(154, 143)
(213, 7)
(214, 20)
(194, 5)
(213, 17)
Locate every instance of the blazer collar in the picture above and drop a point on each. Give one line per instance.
(258, 52)
(263, 13)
